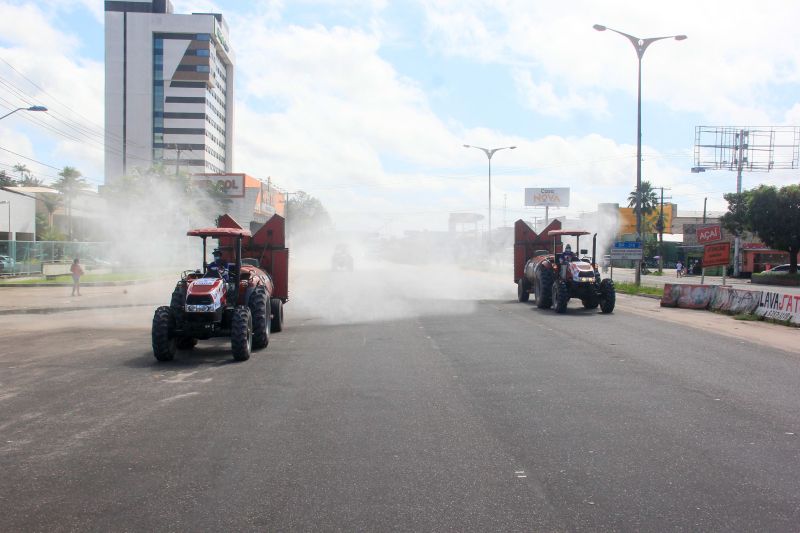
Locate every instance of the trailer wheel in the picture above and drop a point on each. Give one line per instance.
(163, 334)
(543, 290)
(261, 318)
(241, 333)
(608, 296)
(560, 296)
(523, 290)
(276, 306)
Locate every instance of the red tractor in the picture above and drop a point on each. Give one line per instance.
(554, 278)
(242, 300)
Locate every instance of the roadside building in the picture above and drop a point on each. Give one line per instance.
(168, 89)
(17, 215)
(252, 201)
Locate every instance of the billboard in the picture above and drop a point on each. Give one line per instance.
(627, 219)
(232, 184)
(542, 197)
(706, 234)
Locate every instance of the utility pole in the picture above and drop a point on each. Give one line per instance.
(705, 201)
(660, 228)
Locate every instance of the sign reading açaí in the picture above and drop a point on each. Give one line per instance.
(709, 234)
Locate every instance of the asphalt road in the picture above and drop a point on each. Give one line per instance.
(376, 410)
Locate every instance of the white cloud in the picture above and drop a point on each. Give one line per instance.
(542, 98)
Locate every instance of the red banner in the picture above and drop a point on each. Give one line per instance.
(717, 254)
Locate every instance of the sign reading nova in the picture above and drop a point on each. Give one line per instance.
(541, 197)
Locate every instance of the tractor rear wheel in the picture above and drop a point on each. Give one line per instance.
(241, 333)
(523, 289)
(608, 296)
(163, 334)
(276, 307)
(261, 318)
(560, 296)
(543, 290)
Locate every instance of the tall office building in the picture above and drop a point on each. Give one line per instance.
(169, 89)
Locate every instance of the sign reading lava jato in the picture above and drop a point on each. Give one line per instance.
(717, 254)
(709, 234)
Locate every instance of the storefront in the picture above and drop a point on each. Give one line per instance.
(253, 201)
(757, 257)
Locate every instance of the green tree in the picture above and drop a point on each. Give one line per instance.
(6, 180)
(22, 170)
(51, 202)
(773, 214)
(306, 214)
(30, 181)
(649, 204)
(70, 184)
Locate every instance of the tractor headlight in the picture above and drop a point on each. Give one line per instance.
(200, 308)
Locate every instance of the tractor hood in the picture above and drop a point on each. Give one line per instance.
(205, 295)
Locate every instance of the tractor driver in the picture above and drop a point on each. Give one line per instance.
(567, 256)
(217, 267)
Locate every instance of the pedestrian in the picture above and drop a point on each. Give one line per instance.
(77, 272)
(679, 269)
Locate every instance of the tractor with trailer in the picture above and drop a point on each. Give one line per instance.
(243, 301)
(553, 278)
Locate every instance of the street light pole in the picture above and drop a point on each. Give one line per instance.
(32, 108)
(10, 233)
(640, 45)
(489, 153)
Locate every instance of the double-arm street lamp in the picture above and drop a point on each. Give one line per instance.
(489, 153)
(640, 45)
(32, 108)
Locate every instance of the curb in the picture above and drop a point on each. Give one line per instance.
(53, 310)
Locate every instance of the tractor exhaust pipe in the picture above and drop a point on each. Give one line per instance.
(238, 270)
(594, 249)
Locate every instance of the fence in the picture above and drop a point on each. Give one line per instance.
(23, 258)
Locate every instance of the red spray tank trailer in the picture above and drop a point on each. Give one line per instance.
(243, 299)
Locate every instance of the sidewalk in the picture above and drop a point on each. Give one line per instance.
(26, 299)
(628, 275)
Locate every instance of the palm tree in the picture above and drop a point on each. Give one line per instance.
(22, 170)
(649, 201)
(51, 203)
(70, 184)
(6, 180)
(30, 181)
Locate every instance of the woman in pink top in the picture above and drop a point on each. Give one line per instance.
(77, 272)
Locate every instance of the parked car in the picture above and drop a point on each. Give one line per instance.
(778, 269)
(6, 264)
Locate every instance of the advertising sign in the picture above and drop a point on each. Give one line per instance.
(708, 234)
(540, 197)
(627, 250)
(717, 254)
(232, 184)
(627, 219)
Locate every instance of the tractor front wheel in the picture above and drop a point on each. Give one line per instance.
(276, 307)
(560, 296)
(608, 296)
(261, 318)
(163, 335)
(523, 290)
(241, 333)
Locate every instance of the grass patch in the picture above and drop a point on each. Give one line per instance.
(631, 288)
(747, 317)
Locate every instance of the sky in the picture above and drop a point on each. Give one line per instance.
(367, 104)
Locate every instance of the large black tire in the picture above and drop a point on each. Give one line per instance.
(261, 318)
(276, 307)
(608, 296)
(241, 333)
(163, 334)
(560, 296)
(523, 289)
(544, 294)
(178, 300)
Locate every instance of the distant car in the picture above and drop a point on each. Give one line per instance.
(342, 260)
(778, 269)
(6, 264)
